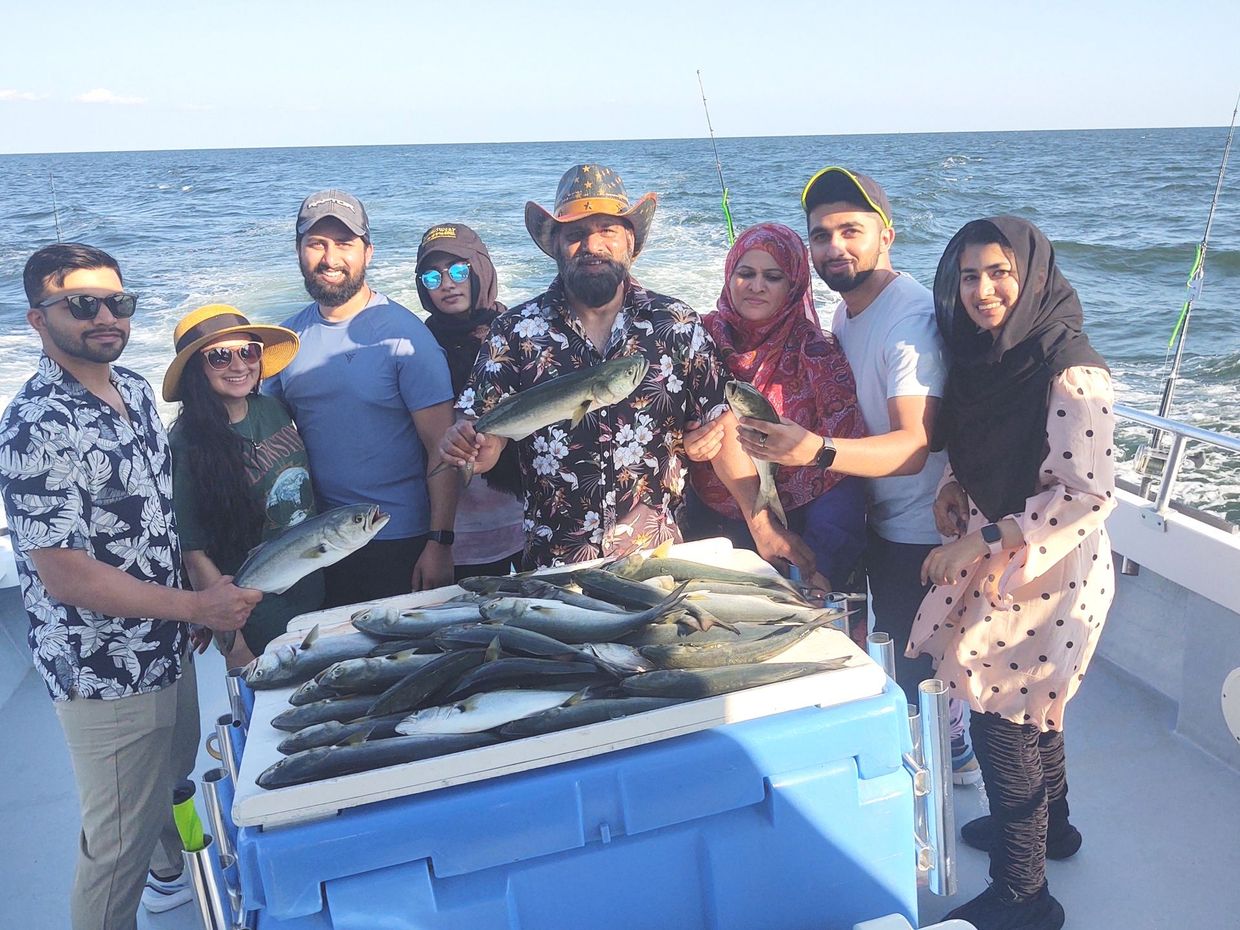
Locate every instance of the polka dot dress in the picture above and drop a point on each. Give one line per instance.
(1015, 633)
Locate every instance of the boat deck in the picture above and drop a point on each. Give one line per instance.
(1161, 818)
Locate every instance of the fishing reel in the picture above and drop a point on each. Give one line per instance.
(1150, 460)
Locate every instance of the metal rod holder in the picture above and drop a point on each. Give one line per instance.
(206, 876)
(940, 815)
(227, 748)
(218, 793)
(883, 651)
(240, 696)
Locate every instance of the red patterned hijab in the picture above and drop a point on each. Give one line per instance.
(800, 369)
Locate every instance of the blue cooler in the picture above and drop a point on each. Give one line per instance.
(802, 819)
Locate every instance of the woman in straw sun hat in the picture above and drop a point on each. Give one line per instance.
(239, 469)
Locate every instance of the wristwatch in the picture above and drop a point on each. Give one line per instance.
(992, 536)
(826, 455)
(443, 537)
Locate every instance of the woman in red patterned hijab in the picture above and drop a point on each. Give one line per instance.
(769, 335)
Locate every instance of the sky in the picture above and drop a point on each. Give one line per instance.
(88, 76)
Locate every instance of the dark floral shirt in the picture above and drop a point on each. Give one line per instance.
(612, 484)
(75, 475)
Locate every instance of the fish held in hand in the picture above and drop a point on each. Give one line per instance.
(571, 396)
(747, 401)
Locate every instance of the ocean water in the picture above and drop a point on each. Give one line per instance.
(1125, 209)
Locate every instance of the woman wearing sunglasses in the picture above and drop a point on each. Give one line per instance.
(239, 469)
(457, 286)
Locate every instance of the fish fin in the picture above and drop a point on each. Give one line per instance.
(311, 637)
(577, 698)
(493, 651)
(580, 413)
(355, 739)
(767, 497)
(661, 551)
(440, 467)
(467, 472)
(224, 640)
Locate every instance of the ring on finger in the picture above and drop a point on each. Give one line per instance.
(762, 437)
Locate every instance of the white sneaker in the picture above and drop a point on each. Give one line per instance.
(159, 896)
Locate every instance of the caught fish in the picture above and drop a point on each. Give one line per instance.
(412, 691)
(512, 639)
(342, 709)
(293, 663)
(569, 397)
(333, 732)
(413, 622)
(747, 608)
(571, 624)
(481, 712)
(581, 714)
(279, 563)
(334, 761)
(520, 671)
(637, 595)
(311, 691)
(619, 658)
(707, 682)
(371, 675)
(747, 401)
(663, 635)
(638, 568)
(743, 652)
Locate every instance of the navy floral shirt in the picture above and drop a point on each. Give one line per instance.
(75, 475)
(612, 484)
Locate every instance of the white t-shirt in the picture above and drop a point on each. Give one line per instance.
(894, 349)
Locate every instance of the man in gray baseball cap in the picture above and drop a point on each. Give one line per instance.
(338, 204)
(370, 370)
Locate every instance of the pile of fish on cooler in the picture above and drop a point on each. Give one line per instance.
(524, 655)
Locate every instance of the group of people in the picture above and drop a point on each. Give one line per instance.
(951, 449)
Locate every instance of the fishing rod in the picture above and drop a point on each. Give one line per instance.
(727, 211)
(1196, 279)
(51, 179)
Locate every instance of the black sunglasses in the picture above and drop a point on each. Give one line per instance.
(86, 306)
(220, 357)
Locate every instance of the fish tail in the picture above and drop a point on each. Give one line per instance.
(768, 496)
(224, 640)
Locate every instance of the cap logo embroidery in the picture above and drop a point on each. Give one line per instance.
(440, 232)
(325, 200)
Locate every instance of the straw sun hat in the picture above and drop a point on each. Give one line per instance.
(208, 323)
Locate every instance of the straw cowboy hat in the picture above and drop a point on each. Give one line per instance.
(586, 190)
(208, 323)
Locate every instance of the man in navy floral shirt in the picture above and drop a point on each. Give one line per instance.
(611, 484)
(86, 481)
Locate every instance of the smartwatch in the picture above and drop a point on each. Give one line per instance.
(826, 455)
(443, 537)
(992, 536)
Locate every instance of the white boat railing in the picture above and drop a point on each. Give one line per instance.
(1168, 462)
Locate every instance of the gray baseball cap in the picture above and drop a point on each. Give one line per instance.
(344, 207)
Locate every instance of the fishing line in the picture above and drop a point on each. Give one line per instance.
(727, 211)
(51, 179)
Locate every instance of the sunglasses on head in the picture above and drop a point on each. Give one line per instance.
(220, 357)
(86, 306)
(457, 271)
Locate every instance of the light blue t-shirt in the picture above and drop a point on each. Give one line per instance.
(351, 389)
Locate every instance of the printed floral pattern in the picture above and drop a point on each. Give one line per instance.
(611, 484)
(74, 474)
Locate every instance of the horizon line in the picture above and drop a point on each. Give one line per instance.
(805, 135)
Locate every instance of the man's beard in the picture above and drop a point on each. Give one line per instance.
(847, 281)
(78, 346)
(333, 295)
(597, 285)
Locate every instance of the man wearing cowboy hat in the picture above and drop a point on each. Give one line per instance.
(610, 484)
(371, 395)
(86, 478)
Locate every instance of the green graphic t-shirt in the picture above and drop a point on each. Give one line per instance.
(278, 471)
